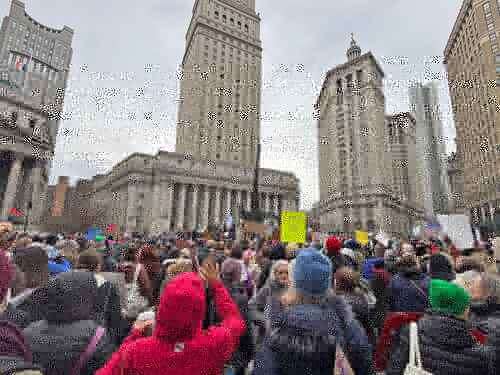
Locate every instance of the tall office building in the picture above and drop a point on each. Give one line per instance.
(34, 65)
(220, 96)
(472, 59)
(359, 152)
(431, 148)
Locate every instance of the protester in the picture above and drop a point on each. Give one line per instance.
(108, 307)
(139, 292)
(309, 323)
(347, 285)
(272, 291)
(23, 309)
(440, 267)
(408, 289)
(333, 251)
(178, 344)
(446, 344)
(148, 256)
(246, 348)
(67, 330)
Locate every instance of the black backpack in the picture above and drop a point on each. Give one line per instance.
(14, 365)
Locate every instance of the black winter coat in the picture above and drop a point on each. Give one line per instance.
(447, 348)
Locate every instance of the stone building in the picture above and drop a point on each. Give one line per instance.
(472, 59)
(431, 148)
(211, 173)
(34, 66)
(221, 85)
(154, 194)
(356, 185)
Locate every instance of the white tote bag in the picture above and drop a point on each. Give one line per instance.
(414, 366)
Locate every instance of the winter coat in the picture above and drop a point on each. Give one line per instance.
(305, 338)
(359, 306)
(25, 309)
(484, 316)
(179, 345)
(246, 348)
(368, 267)
(58, 341)
(408, 292)
(271, 291)
(446, 347)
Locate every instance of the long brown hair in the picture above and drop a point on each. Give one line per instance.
(294, 297)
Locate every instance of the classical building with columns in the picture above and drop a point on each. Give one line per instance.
(34, 66)
(366, 158)
(154, 194)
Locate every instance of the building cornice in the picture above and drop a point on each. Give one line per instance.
(466, 5)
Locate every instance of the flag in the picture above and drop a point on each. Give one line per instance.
(16, 213)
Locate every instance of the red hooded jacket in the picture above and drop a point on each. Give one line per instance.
(179, 346)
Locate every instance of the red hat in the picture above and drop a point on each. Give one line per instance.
(333, 245)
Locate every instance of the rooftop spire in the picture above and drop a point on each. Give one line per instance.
(354, 50)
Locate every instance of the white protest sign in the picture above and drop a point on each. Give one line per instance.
(458, 228)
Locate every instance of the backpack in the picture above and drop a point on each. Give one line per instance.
(17, 366)
(135, 303)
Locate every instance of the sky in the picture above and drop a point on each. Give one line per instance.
(123, 87)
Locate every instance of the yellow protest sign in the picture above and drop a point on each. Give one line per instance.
(362, 237)
(293, 227)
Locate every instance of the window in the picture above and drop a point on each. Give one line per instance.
(232, 21)
(216, 14)
(224, 18)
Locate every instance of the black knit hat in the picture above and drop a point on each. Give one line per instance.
(441, 268)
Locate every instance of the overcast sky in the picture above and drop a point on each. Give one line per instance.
(123, 88)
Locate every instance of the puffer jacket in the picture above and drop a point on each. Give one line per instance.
(305, 337)
(68, 326)
(408, 291)
(447, 348)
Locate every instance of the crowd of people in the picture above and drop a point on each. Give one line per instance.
(137, 305)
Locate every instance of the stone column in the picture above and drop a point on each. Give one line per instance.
(276, 204)
(249, 201)
(36, 194)
(206, 207)
(228, 202)
(194, 207)
(217, 206)
(181, 206)
(239, 204)
(131, 208)
(12, 185)
(156, 201)
(267, 203)
(169, 202)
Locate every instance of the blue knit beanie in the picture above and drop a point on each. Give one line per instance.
(312, 273)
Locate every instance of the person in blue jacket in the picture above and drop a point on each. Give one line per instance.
(309, 323)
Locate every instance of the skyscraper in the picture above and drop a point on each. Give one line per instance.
(219, 105)
(34, 66)
(357, 152)
(472, 59)
(431, 149)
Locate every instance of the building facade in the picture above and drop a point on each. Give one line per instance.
(472, 59)
(356, 189)
(34, 65)
(220, 94)
(155, 194)
(431, 148)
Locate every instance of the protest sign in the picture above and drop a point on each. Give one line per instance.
(362, 237)
(293, 227)
(458, 229)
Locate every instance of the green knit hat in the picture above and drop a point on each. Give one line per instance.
(448, 298)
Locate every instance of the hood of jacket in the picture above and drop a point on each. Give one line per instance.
(71, 297)
(182, 309)
(310, 332)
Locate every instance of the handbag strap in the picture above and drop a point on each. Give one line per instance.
(89, 350)
(419, 289)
